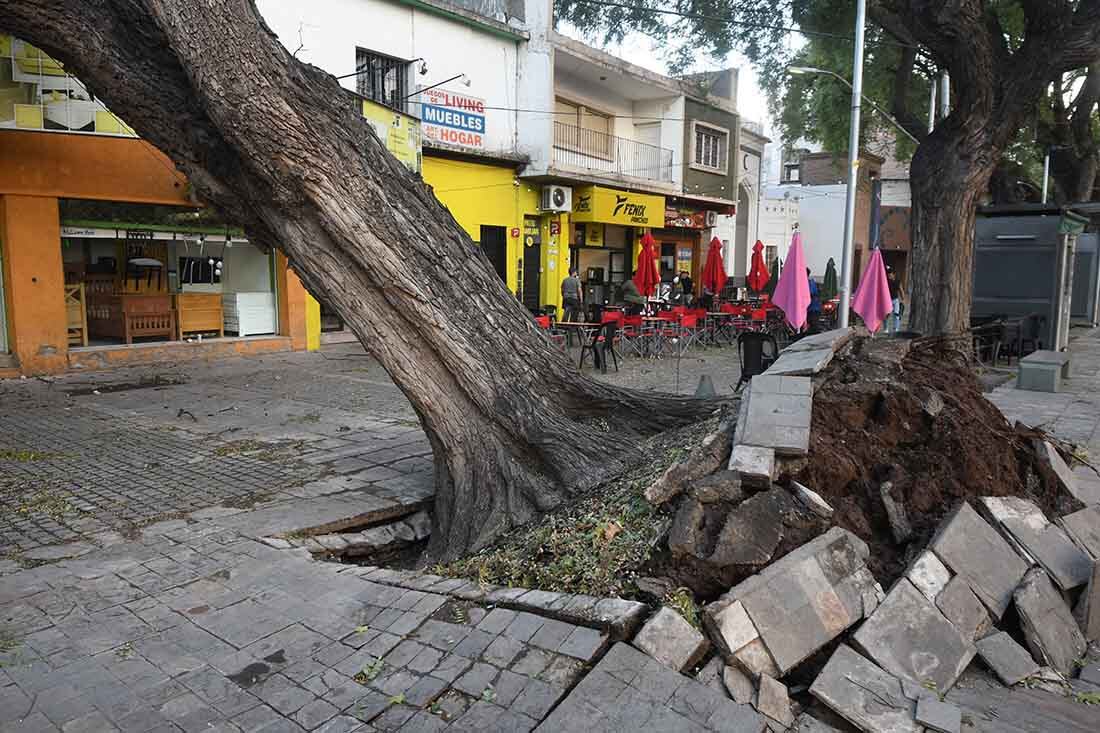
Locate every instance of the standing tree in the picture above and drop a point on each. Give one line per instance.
(1002, 57)
(280, 148)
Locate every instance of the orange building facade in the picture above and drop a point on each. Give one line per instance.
(126, 287)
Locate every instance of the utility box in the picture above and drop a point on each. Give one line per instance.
(1085, 307)
(1024, 257)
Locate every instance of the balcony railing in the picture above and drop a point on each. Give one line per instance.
(590, 150)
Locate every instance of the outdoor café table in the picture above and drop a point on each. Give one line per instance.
(720, 323)
(658, 324)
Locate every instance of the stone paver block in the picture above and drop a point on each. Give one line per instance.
(833, 339)
(969, 547)
(1057, 464)
(776, 415)
(731, 628)
(812, 500)
(1089, 606)
(1083, 527)
(928, 575)
(962, 608)
(908, 637)
(671, 640)
(1044, 542)
(755, 659)
(773, 702)
(801, 602)
(801, 363)
(895, 513)
(628, 691)
(864, 695)
(755, 465)
(1052, 633)
(1008, 660)
(806, 723)
(738, 684)
(939, 716)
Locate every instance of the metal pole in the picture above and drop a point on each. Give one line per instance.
(932, 107)
(1046, 174)
(853, 167)
(945, 95)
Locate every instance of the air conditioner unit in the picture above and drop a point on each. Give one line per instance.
(712, 219)
(556, 198)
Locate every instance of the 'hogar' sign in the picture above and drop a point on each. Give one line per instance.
(453, 118)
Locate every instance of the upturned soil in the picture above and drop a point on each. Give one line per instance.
(920, 422)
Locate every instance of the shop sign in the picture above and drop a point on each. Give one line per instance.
(514, 232)
(685, 217)
(453, 118)
(400, 133)
(593, 235)
(531, 233)
(555, 227)
(611, 206)
(79, 232)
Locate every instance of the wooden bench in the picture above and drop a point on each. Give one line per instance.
(1043, 371)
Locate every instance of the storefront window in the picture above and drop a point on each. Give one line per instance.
(37, 94)
(143, 280)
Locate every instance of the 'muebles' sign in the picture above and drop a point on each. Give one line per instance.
(611, 206)
(452, 118)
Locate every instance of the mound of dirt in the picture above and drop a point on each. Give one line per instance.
(919, 421)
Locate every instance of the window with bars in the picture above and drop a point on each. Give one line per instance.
(382, 79)
(710, 147)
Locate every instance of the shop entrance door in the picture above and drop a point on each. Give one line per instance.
(494, 243)
(532, 277)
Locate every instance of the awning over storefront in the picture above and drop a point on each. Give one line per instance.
(612, 206)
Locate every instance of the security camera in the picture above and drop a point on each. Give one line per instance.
(423, 69)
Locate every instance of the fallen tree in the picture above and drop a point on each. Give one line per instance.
(279, 148)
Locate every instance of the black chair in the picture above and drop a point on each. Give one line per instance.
(602, 344)
(757, 351)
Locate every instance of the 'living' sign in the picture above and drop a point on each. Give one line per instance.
(450, 117)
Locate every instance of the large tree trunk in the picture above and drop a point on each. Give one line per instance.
(279, 148)
(949, 174)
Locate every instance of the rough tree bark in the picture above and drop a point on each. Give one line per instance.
(994, 90)
(279, 148)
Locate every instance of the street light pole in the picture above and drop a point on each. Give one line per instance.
(853, 168)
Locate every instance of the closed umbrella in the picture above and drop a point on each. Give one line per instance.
(758, 270)
(792, 293)
(714, 271)
(829, 287)
(872, 298)
(646, 277)
(773, 278)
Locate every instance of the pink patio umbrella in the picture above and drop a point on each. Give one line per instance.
(872, 298)
(792, 292)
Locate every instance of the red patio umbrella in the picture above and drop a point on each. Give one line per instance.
(758, 272)
(647, 277)
(714, 271)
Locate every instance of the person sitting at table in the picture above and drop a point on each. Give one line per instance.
(633, 298)
(706, 300)
(688, 288)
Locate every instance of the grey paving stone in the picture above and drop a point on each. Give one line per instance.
(524, 626)
(773, 702)
(800, 363)
(282, 694)
(671, 640)
(908, 637)
(1052, 633)
(1088, 607)
(1066, 563)
(583, 643)
(755, 465)
(939, 716)
(865, 695)
(962, 608)
(797, 605)
(503, 651)
(93, 722)
(1010, 661)
(551, 634)
(475, 643)
(475, 681)
(314, 714)
(971, 548)
(1084, 528)
(426, 660)
(426, 689)
(536, 699)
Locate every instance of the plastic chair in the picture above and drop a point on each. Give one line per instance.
(755, 355)
(602, 344)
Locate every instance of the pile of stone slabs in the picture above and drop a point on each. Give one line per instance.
(909, 637)
(775, 619)
(775, 413)
(968, 547)
(865, 695)
(1040, 541)
(1083, 527)
(1051, 631)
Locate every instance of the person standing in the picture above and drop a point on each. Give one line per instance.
(895, 299)
(572, 297)
(813, 310)
(688, 288)
(632, 297)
